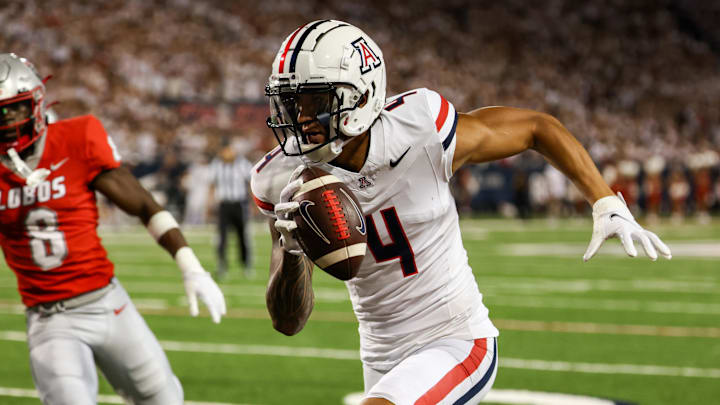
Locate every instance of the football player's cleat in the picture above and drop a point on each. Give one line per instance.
(336, 69)
(22, 104)
(611, 217)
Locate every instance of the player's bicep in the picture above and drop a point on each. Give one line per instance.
(125, 191)
(493, 133)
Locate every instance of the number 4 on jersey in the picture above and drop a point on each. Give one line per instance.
(400, 246)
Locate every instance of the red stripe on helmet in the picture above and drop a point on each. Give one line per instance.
(440, 121)
(287, 47)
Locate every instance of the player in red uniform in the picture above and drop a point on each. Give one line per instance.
(78, 314)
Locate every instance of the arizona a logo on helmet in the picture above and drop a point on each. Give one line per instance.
(368, 58)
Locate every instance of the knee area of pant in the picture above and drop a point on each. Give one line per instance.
(67, 390)
(153, 384)
(148, 378)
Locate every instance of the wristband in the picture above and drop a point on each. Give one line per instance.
(161, 222)
(187, 261)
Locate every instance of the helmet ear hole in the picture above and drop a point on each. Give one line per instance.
(363, 100)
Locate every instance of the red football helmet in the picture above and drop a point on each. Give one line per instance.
(22, 103)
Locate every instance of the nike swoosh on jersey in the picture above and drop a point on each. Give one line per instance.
(394, 163)
(117, 311)
(57, 165)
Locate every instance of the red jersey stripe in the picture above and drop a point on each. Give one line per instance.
(455, 376)
(444, 107)
(287, 47)
(263, 205)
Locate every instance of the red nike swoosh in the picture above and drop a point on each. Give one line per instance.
(117, 311)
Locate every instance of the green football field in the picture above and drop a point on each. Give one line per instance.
(629, 330)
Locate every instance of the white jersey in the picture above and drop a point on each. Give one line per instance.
(414, 285)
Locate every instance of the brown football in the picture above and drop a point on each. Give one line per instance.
(331, 226)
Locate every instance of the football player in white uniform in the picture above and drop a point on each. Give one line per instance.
(425, 334)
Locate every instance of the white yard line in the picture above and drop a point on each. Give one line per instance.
(594, 304)
(541, 398)
(161, 307)
(261, 350)
(570, 284)
(523, 397)
(508, 291)
(599, 368)
(489, 284)
(492, 297)
(495, 395)
(607, 329)
(696, 249)
(102, 399)
(340, 354)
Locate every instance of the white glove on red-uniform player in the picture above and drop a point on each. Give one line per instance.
(611, 217)
(199, 284)
(284, 209)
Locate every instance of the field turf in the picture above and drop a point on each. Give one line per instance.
(618, 328)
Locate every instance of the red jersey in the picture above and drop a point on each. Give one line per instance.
(49, 234)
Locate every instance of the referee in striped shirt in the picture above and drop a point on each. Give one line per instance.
(230, 176)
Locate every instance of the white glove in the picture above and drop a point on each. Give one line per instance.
(284, 210)
(612, 217)
(199, 284)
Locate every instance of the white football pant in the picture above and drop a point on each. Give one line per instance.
(65, 347)
(448, 371)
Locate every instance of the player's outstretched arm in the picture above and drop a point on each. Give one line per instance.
(497, 132)
(289, 296)
(123, 189)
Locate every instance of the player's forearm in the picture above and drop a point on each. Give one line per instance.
(561, 148)
(172, 241)
(289, 295)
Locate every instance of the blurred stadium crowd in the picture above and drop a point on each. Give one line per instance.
(638, 82)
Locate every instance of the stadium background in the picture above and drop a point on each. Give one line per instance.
(638, 82)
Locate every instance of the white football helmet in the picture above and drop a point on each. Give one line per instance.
(341, 70)
(20, 84)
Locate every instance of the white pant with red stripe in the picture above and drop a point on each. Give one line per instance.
(448, 371)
